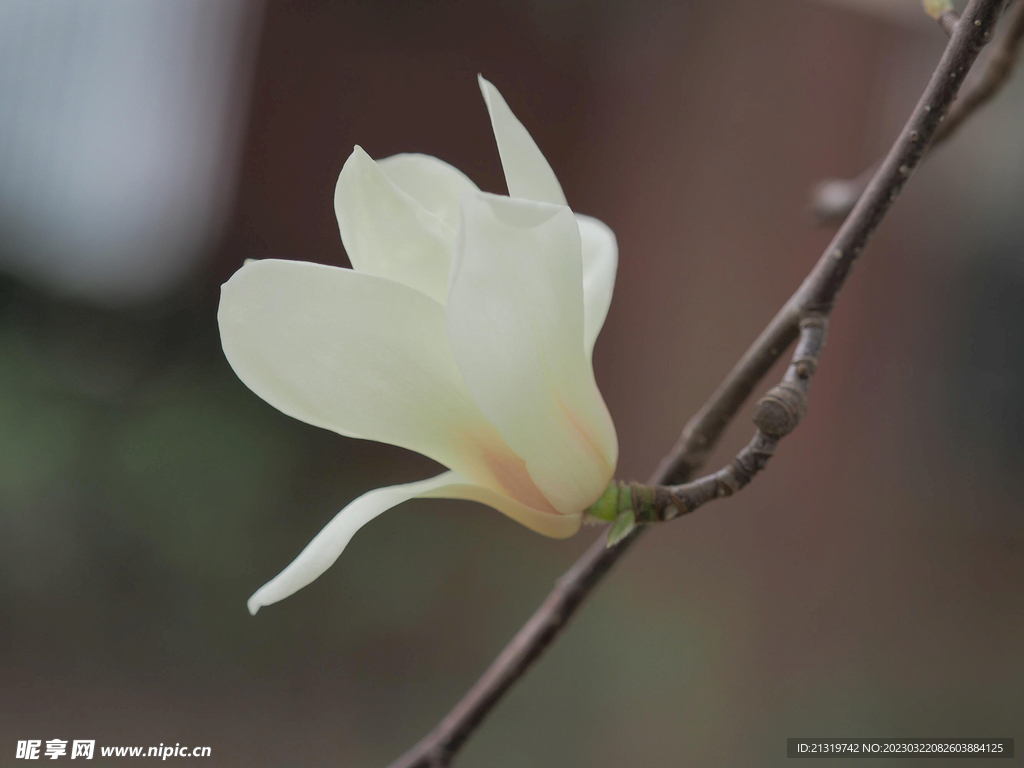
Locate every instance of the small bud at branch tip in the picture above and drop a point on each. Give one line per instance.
(935, 8)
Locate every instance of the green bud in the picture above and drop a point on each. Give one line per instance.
(936, 8)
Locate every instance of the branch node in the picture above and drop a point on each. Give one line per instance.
(813, 320)
(780, 410)
(948, 20)
(678, 507)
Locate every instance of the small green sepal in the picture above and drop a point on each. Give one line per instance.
(607, 507)
(624, 524)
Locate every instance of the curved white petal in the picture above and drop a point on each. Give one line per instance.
(600, 262)
(432, 183)
(527, 172)
(515, 323)
(321, 553)
(364, 357)
(350, 352)
(387, 232)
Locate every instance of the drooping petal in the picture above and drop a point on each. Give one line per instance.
(527, 172)
(321, 553)
(432, 183)
(350, 352)
(387, 232)
(515, 323)
(600, 262)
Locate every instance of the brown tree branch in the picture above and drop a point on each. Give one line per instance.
(816, 295)
(833, 199)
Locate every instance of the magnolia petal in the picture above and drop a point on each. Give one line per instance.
(527, 172)
(515, 323)
(600, 262)
(553, 524)
(325, 548)
(432, 183)
(350, 352)
(387, 232)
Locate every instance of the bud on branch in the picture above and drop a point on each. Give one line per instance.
(627, 505)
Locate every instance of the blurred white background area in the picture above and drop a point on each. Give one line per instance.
(121, 123)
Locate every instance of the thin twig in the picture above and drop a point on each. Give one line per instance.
(816, 295)
(947, 20)
(777, 414)
(942, 11)
(998, 69)
(833, 199)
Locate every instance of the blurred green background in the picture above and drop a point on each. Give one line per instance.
(869, 584)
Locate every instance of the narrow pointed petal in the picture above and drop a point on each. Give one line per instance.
(387, 232)
(322, 552)
(353, 353)
(600, 262)
(515, 319)
(432, 183)
(527, 172)
(325, 548)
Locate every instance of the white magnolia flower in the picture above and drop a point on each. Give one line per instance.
(463, 331)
